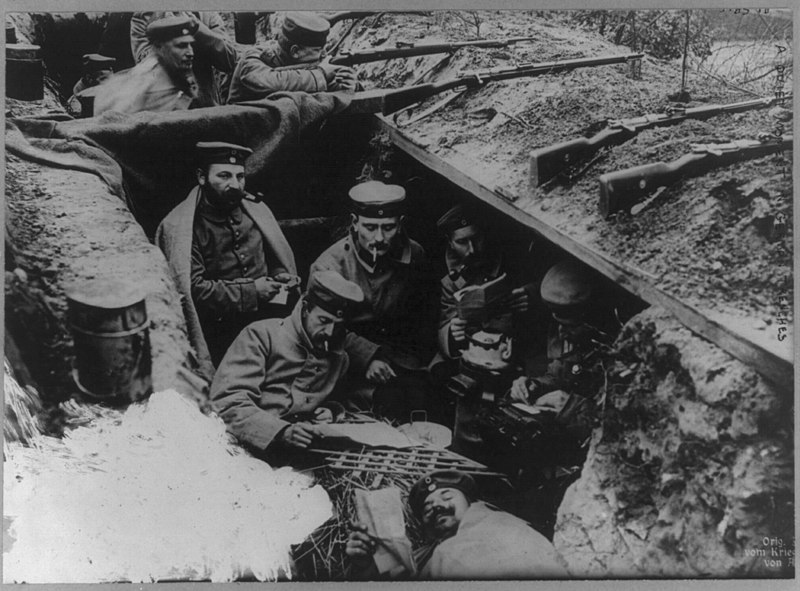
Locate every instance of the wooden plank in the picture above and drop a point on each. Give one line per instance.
(769, 360)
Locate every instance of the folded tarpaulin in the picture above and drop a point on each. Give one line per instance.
(149, 158)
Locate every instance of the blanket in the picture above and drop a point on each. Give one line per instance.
(148, 158)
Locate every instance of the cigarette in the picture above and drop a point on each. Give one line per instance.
(325, 345)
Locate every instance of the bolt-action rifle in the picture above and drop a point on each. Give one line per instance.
(622, 189)
(404, 50)
(547, 162)
(389, 101)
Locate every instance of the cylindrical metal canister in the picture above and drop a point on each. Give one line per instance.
(24, 72)
(112, 343)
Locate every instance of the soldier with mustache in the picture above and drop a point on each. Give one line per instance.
(468, 539)
(229, 256)
(393, 272)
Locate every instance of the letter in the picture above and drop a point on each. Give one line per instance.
(781, 48)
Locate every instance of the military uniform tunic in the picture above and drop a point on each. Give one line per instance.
(396, 305)
(263, 70)
(228, 263)
(272, 373)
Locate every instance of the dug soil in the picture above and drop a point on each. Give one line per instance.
(721, 242)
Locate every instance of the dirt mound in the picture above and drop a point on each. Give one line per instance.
(683, 479)
(722, 242)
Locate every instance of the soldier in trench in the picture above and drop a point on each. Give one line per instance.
(467, 539)
(230, 258)
(165, 80)
(276, 381)
(293, 61)
(395, 320)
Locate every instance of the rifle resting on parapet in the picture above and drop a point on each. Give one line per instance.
(392, 100)
(548, 161)
(622, 189)
(405, 50)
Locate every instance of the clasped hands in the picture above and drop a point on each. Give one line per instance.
(301, 434)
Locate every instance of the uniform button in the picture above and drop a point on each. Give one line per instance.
(235, 246)
(237, 233)
(244, 269)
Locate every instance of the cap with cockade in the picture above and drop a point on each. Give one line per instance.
(305, 28)
(221, 153)
(333, 293)
(377, 200)
(94, 62)
(437, 480)
(566, 288)
(169, 27)
(455, 218)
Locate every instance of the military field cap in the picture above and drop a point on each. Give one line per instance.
(169, 27)
(566, 288)
(455, 218)
(436, 480)
(307, 29)
(377, 200)
(95, 62)
(221, 153)
(333, 293)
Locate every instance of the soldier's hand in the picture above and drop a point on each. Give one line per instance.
(345, 79)
(323, 415)
(380, 372)
(267, 289)
(329, 70)
(359, 544)
(522, 389)
(518, 300)
(458, 329)
(299, 435)
(291, 281)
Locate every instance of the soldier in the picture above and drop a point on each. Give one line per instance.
(393, 273)
(276, 380)
(215, 54)
(468, 539)
(470, 261)
(573, 339)
(96, 70)
(163, 81)
(292, 61)
(227, 252)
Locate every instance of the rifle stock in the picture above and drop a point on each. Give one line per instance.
(622, 189)
(547, 162)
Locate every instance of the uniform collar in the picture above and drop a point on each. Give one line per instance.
(400, 255)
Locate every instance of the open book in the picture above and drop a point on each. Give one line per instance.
(476, 302)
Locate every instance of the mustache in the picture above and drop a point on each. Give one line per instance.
(437, 511)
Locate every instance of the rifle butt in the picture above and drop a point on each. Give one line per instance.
(622, 189)
(547, 162)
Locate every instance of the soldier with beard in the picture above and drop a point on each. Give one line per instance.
(468, 539)
(227, 252)
(276, 380)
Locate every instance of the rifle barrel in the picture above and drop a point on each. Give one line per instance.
(622, 189)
